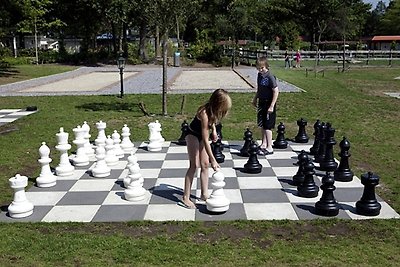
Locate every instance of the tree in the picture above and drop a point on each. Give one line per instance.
(163, 14)
(390, 23)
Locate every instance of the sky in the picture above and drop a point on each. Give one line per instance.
(373, 2)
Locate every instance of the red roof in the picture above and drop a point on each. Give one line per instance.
(386, 38)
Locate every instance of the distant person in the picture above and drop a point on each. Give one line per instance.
(298, 58)
(197, 142)
(287, 60)
(265, 102)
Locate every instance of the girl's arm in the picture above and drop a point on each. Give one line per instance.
(205, 134)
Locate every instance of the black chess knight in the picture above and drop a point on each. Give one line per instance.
(184, 130)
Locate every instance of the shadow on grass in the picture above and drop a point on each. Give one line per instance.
(109, 106)
(7, 71)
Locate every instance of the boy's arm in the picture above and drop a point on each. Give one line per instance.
(274, 98)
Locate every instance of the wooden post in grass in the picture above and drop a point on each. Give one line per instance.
(183, 104)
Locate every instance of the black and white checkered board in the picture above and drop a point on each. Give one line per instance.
(264, 196)
(10, 115)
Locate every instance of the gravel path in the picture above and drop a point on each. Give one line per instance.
(142, 79)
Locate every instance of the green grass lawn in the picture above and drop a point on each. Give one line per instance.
(352, 101)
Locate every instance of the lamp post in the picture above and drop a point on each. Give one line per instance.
(121, 66)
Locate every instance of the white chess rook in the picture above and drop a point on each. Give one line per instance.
(101, 169)
(46, 177)
(81, 158)
(64, 168)
(20, 207)
(88, 147)
(101, 136)
(126, 143)
(116, 137)
(135, 190)
(218, 202)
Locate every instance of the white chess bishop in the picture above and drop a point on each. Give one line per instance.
(217, 202)
(46, 177)
(20, 207)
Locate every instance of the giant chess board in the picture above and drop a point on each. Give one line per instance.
(269, 195)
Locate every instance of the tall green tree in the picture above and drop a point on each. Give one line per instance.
(390, 23)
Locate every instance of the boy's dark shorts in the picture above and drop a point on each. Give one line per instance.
(265, 120)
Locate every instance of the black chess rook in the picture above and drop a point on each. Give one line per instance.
(216, 148)
(368, 205)
(280, 142)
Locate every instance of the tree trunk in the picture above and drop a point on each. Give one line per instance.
(124, 40)
(344, 53)
(142, 42)
(114, 38)
(157, 42)
(164, 84)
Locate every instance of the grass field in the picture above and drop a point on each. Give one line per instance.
(355, 104)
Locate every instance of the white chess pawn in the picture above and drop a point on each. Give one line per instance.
(88, 147)
(135, 190)
(218, 202)
(46, 177)
(111, 158)
(126, 143)
(20, 207)
(101, 169)
(64, 168)
(81, 158)
(101, 136)
(117, 147)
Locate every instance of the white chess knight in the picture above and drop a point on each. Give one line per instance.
(20, 207)
(46, 177)
(101, 169)
(126, 143)
(155, 139)
(135, 190)
(134, 171)
(64, 168)
(217, 202)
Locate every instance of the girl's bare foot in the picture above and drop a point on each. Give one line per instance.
(204, 197)
(188, 203)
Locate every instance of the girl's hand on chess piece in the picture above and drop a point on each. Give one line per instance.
(215, 165)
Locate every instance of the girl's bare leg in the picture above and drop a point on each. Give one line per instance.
(204, 163)
(193, 153)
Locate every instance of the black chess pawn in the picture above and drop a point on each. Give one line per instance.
(328, 163)
(184, 129)
(327, 205)
(315, 146)
(322, 144)
(302, 158)
(216, 148)
(368, 205)
(308, 188)
(301, 136)
(280, 141)
(248, 137)
(343, 172)
(252, 165)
